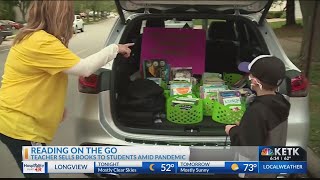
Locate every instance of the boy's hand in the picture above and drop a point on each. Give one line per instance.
(228, 127)
(124, 49)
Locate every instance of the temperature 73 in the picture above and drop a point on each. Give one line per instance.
(167, 167)
(249, 167)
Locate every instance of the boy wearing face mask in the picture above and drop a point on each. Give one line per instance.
(265, 121)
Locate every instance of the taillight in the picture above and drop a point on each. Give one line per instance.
(89, 84)
(299, 86)
(1, 27)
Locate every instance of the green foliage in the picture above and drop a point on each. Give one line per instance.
(6, 10)
(94, 5)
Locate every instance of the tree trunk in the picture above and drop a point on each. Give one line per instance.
(311, 39)
(23, 6)
(290, 12)
(23, 16)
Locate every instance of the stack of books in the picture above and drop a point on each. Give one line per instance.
(212, 84)
(230, 98)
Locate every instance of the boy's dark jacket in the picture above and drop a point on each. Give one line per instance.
(264, 123)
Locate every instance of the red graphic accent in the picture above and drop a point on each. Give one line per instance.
(38, 169)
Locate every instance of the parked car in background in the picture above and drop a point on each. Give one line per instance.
(5, 30)
(83, 15)
(112, 15)
(13, 25)
(78, 24)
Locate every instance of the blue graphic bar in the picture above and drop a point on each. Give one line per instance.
(289, 167)
(180, 167)
(184, 168)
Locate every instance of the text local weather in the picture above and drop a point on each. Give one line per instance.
(92, 153)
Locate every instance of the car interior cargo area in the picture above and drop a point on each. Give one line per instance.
(182, 77)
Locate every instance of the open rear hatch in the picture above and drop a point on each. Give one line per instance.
(208, 127)
(209, 6)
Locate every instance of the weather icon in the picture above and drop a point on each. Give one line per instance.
(234, 167)
(151, 167)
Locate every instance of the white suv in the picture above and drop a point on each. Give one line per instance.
(78, 23)
(241, 24)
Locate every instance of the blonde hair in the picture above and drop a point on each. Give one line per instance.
(55, 17)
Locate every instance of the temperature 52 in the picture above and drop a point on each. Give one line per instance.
(250, 167)
(167, 167)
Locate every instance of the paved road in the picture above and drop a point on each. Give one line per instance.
(83, 44)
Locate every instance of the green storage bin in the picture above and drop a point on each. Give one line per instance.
(166, 93)
(231, 78)
(178, 115)
(208, 106)
(196, 90)
(223, 114)
(164, 85)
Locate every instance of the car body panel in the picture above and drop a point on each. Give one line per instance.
(275, 47)
(247, 5)
(5, 29)
(216, 6)
(6, 33)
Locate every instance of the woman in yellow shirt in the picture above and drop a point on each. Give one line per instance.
(32, 95)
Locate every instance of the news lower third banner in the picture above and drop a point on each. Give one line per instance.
(152, 160)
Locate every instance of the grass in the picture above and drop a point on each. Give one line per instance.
(282, 30)
(280, 24)
(199, 21)
(314, 140)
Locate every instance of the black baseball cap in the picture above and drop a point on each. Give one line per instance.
(268, 69)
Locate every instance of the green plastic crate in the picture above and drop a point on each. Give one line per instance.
(164, 85)
(231, 78)
(166, 93)
(196, 90)
(178, 115)
(223, 114)
(208, 106)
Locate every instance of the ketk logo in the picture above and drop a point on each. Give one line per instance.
(280, 152)
(286, 151)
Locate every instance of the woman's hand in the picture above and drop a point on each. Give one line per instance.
(124, 49)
